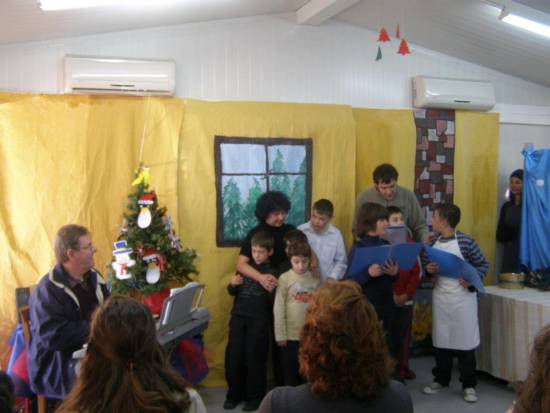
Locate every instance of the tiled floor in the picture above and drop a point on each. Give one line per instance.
(494, 395)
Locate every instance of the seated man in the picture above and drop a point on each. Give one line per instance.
(60, 309)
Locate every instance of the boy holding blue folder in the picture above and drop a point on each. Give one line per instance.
(377, 279)
(455, 330)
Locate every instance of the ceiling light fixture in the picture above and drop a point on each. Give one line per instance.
(526, 18)
(52, 5)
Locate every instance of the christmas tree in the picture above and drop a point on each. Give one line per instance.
(148, 257)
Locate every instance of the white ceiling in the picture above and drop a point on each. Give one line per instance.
(23, 20)
(466, 29)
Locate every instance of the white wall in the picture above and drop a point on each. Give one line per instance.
(265, 58)
(269, 58)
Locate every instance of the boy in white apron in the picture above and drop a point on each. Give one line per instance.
(455, 330)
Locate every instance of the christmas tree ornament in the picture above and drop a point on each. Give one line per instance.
(379, 54)
(383, 36)
(404, 48)
(122, 260)
(167, 224)
(143, 177)
(152, 276)
(124, 226)
(175, 241)
(397, 32)
(144, 217)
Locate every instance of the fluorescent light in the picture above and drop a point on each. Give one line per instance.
(527, 24)
(50, 5)
(526, 18)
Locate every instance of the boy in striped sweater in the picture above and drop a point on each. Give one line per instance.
(455, 330)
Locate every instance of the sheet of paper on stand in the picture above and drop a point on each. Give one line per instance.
(181, 315)
(396, 234)
(452, 266)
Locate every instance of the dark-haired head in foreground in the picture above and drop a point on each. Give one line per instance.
(125, 369)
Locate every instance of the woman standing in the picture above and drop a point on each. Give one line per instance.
(509, 224)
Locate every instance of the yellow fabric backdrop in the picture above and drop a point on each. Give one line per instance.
(390, 136)
(384, 136)
(332, 131)
(476, 178)
(70, 159)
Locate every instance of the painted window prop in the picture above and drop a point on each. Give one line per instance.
(435, 147)
(248, 167)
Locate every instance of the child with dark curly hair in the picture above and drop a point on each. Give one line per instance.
(344, 358)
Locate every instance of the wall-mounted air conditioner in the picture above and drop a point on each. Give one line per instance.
(431, 92)
(108, 76)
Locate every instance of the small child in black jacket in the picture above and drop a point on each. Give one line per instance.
(249, 330)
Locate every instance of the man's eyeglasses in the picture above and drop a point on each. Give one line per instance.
(88, 247)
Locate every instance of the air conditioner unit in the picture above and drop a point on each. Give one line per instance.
(431, 92)
(106, 76)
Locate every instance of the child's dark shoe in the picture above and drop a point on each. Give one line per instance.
(229, 404)
(251, 405)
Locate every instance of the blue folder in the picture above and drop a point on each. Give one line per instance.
(454, 267)
(404, 254)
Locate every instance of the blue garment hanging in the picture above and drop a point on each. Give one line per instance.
(534, 250)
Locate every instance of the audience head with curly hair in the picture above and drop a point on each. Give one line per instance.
(342, 349)
(534, 393)
(125, 369)
(344, 358)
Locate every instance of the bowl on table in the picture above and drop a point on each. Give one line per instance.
(511, 280)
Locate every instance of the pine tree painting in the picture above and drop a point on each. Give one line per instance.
(297, 197)
(280, 182)
(249, 169)
(234, 221)
(250, 206)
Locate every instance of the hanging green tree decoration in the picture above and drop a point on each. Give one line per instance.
(148, 256)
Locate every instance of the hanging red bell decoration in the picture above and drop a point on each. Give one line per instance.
(404, 48)
(383, 36)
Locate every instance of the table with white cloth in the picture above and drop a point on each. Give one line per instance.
(509, 320)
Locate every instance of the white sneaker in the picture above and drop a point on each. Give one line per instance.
(470, 395)
(433, 388)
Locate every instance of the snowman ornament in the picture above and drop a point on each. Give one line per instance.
(152, 276)
(123, 261)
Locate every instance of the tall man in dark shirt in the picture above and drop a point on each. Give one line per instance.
(61, 306)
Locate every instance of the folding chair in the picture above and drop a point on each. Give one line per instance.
(25, 322)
